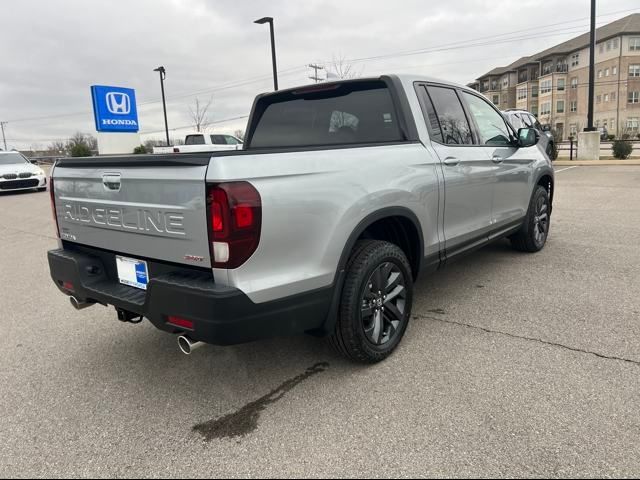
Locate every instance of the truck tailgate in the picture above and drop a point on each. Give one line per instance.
(151, 207)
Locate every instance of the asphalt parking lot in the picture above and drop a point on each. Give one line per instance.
(514, 365)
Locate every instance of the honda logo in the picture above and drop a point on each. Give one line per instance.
(118, 103)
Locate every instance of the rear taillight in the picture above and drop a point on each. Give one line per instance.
(53, 207)
(235, 219)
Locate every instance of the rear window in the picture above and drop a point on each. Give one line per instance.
(349, 113)
(194, 140)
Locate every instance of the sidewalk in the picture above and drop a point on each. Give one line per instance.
(596, 163)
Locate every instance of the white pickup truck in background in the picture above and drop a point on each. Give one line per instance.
(203, 142)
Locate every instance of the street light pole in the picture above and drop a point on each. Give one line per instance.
(592, 68)
(269, 20)
(163, 75)
(2, 124)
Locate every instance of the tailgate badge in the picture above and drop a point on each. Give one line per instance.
(111, 181)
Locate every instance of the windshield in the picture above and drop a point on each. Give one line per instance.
(12, 158)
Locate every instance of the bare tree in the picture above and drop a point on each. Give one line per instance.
(199, 115)
(341, 69)
(239, 134)
(57, 148)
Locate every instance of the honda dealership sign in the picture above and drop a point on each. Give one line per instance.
(114, 109)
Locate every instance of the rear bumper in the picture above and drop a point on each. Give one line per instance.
(221, 315)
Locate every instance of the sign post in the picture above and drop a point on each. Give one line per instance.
(116, 116)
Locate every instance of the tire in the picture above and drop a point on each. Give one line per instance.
(42, 189)
(370, 324)
(532, 237)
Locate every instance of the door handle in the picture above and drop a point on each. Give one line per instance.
(497, 159)
(451, 161)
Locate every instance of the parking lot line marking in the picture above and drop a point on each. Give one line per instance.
(568, 168)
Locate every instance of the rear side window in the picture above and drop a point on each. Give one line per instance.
(194, 140)
(515, 120)
(342, 114)
(454, 127)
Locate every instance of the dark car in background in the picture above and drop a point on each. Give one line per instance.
(523, 119)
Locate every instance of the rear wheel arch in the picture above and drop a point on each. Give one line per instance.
(369, 228)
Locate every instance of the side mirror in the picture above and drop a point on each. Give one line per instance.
(546, 128)
(527, 137)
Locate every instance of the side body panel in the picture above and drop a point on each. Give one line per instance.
(313, 200)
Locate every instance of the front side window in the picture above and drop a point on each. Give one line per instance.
(634, 97)
(452, 121)
(491, 125)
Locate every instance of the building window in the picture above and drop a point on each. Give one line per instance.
(613, 96)
(573, 106)
(545, 87)
(560, 106)
(494, 85)
(534, 92)
(534, 110)
(634, 44)
(609, 45)
(602, 48)
(522, 93)
(545, 108)
(575, 59)
(599, 73)
(485, 85)
(615, 43)
(634, 97)
(606, 97)
(561, 82)
(505, 82)
(574, 82)
(599, 99)
(612, 124)
(614, 71)
(547, 67)
(634, 70)
(496, 99)
(632, 124)
(606, 72)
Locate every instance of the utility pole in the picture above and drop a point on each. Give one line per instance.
(592, 68)
(2, 124)
(315, 76)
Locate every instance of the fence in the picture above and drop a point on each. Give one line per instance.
(570, 149)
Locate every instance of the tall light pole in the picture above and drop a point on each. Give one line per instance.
(269, 20)
(163, 75)
(592, 67)
(2, 124)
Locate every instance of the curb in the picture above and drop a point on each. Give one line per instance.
(595, 163)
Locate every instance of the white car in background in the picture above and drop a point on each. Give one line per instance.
(18, 173)
(203, 142)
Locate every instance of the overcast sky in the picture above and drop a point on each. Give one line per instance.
(52, 51)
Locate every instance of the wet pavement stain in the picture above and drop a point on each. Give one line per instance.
(479, 286)
(439, 311)
(244, 421)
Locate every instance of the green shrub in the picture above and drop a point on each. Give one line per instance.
(80, 150)
(622, 149)
(140, 150)
(611, 138)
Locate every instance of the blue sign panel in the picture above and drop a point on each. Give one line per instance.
(114, 109)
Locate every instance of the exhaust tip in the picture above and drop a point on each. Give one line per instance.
(188, 345)
(78, 305)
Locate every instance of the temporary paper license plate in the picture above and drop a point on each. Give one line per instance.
(132, 272)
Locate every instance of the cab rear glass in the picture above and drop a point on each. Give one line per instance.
(335, 114)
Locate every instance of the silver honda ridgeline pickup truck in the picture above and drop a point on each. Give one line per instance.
(344, 193)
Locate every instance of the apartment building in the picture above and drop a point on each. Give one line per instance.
(554, 84)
